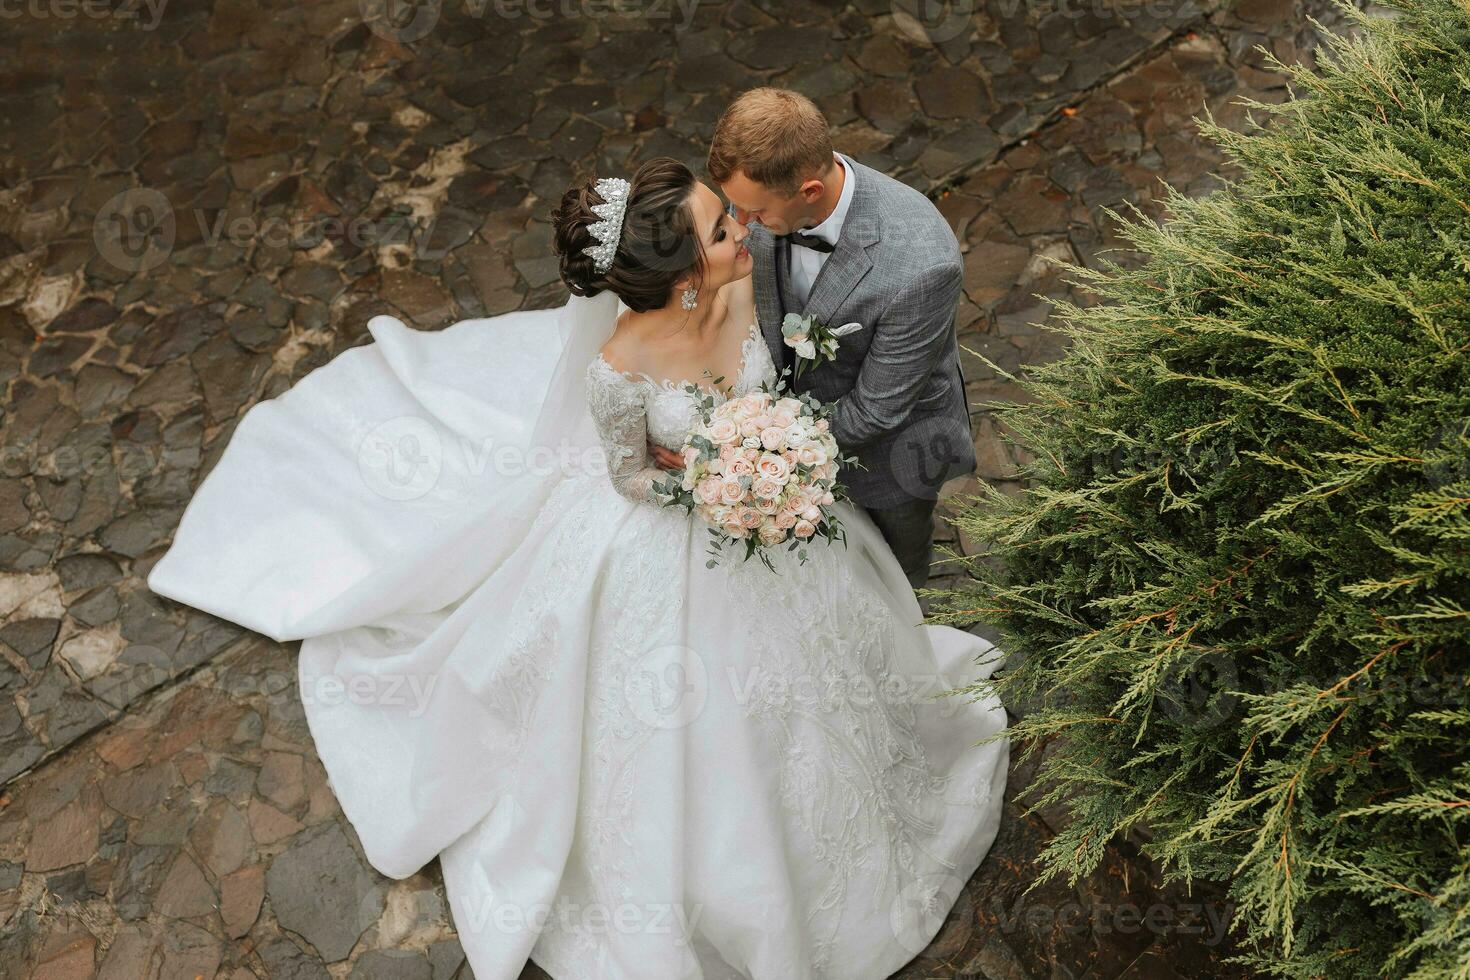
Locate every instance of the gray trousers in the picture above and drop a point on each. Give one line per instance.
(909, 531)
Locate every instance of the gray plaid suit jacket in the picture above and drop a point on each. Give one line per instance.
(899, 393)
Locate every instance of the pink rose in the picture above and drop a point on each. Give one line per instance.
(805, 529)
(811, 455)
(740, 466)
(772, 436)
(750, 518)
(785, 520)
(812, 514)
(827, 497)
(722, 431)
(771, 535)
(750, 428)
(726, 452)
(774, 467)
(709, 489)
(823, 425)
(731, 492)
(765, 486)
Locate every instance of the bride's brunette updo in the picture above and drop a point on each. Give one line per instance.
(659, 244)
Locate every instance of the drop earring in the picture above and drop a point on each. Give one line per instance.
(690, 299)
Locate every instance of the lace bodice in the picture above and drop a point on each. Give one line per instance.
(631, 408)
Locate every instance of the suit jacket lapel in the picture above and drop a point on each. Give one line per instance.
(783, 278)
(849, 261)
(770, 310)
(841, 273)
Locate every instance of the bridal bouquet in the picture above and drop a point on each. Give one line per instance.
(761, 470)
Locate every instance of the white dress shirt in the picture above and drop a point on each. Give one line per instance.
(807, 262)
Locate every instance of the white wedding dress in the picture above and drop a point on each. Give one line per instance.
(630, 765)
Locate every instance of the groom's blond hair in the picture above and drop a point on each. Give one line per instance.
(774, 136)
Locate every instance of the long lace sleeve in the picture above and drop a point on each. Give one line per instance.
(617, 407)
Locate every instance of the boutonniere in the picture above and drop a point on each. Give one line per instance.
(813, 341)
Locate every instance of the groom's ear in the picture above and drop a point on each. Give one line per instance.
(812, 190)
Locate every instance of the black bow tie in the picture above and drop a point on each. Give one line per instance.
(809, 241)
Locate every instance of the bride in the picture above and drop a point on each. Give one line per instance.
(632, 764)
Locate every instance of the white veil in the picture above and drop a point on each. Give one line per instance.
(393, 478)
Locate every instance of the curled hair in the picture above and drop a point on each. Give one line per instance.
(659, 244)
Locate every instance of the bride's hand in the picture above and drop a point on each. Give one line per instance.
(665, 459)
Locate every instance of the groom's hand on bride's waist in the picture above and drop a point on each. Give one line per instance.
(665, 459)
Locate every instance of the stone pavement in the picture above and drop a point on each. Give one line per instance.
(204, 204)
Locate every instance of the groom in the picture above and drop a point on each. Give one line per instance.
(841, 242)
